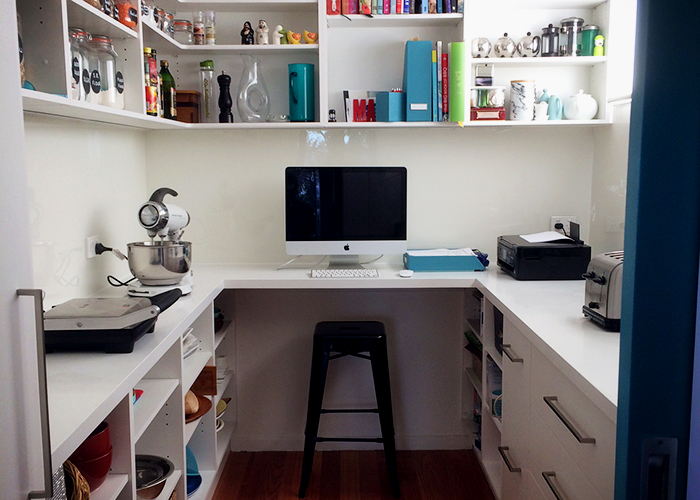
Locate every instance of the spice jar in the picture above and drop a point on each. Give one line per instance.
(183, 32)
(570, 36)
(128, 15)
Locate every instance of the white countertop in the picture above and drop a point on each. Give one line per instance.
(85, 387)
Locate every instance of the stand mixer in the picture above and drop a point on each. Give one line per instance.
(161, 264)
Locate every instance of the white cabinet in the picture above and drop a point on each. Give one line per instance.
(353, 53)
(550, 439)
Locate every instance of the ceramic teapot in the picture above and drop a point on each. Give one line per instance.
(504, 47)
(529, 46)
(481, 47)
(580, 107)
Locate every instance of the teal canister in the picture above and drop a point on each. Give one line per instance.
(301, 92)
(590, 31)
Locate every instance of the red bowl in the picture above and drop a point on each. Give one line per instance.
(96, 445)
(95, 470)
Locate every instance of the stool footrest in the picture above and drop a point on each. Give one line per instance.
(353, 410)
(350, 440)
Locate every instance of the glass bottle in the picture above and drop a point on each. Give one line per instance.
(167, 90)
(207, 93)
(210, 27)
(198, 28)
(150, 82)
(183, 32)
(253, 102)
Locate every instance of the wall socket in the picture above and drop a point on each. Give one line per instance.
(90, 243)
(565, 220)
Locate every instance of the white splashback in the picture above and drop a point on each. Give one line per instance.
(465, 187)
(84, 179)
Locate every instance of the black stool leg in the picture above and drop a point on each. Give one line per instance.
(319, 368)
(380, 373)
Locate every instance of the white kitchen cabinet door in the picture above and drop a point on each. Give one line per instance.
(21, 468)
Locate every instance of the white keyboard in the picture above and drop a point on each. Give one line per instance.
(344, 273)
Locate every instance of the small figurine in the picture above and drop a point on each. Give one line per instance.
(310, 37)
(247, 34)
(262, 36)
(293, 38)
(331, 116)
(279, 35)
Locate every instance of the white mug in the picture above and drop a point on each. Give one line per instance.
(522, 100)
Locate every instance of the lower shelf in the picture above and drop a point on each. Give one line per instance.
(111, 488)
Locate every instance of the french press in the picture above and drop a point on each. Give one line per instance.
(549, 41)
(570, 36)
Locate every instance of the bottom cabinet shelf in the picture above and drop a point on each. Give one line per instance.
(112, 487)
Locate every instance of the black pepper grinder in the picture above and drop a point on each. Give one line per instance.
(225, 101)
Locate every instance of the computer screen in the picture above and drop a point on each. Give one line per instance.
(345, 211)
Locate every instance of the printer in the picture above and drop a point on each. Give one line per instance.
(563, 259)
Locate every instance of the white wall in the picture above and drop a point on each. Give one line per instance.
(85, 179)
(466, 187)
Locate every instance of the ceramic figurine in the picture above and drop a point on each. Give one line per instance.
(247, 34)
(310, 37)
(262, 33)
(331, 116)
(293, 38)
(279, 35)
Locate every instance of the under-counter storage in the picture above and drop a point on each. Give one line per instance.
(583, 430)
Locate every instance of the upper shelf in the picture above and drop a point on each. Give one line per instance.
(541, 61)
(393, 20)
(83, 15)
(239, 5)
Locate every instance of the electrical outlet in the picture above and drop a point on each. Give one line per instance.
(563, 219)
(90, 243)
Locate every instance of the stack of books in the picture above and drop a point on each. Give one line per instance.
(385, 7)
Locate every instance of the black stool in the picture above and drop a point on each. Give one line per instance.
(350, 338)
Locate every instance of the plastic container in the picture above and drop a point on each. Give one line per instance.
(183, 32)
(590, 31)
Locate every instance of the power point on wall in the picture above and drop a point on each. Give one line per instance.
(564, 220)
(90, 244)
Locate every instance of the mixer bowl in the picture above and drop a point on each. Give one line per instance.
(160, 262)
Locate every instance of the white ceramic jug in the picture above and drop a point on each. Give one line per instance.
(580, 107)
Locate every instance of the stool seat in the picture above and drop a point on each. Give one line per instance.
(349, 338)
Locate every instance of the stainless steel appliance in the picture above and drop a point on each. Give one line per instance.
(164, 263)
(604, 290)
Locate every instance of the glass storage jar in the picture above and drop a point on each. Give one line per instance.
(183, 32)
(104, 73)
(79, 64)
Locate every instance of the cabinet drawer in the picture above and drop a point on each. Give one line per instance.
(568, 412)
(565, 480)
(516, 383)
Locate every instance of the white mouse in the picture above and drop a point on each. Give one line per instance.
(405, 273)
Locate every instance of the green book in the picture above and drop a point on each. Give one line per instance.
(458, 85)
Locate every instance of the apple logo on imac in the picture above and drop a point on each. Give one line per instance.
(346, 247)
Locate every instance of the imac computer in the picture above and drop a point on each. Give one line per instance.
(345, 212)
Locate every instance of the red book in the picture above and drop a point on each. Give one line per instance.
(387, 6)
(445, 89)
(399, 6)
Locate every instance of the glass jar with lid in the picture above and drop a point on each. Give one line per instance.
(570, 36)
(183, 31)
(105, 77)
(79, 66)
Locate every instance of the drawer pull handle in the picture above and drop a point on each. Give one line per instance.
(550, 477)
(512, 356)
(502, 450)
(550, 400)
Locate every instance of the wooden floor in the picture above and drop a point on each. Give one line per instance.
(353, 475)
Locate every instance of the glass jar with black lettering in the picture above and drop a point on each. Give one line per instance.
(79, 63)
(105, 78)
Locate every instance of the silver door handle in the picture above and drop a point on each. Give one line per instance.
(512, 356)
(43, 393)
(549, 476)
(551, 400)
(502, 450)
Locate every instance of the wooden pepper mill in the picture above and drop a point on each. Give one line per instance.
(225, 101)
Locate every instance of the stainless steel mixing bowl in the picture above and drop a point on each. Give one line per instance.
(160, 262)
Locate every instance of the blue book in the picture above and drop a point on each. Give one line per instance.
(417, 80)
(407, 7)
(424, 6)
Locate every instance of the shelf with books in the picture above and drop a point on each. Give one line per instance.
(393, 20)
